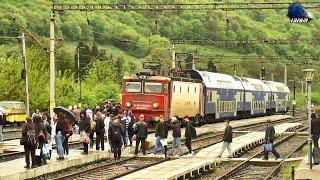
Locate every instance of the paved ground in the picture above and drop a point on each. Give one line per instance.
(18, 172)
(207, 156)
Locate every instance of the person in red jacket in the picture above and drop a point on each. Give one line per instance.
(315, 129)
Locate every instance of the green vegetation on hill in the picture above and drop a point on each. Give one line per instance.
(132, 36)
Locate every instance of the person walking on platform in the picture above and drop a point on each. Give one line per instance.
(159, 135)
(315, 130)
(100, 131)
(124, 120)
(69, 133)
(61, 131)
(190, 133)
(41, 138)
(47, 126)
(28, 140)
(115, 134)
(269, 138)
(141, 130)
(130, 126)
(227, 139)
(84, 130)
(164, 140)
(176, 133)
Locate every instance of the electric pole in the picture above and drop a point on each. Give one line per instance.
(24, 58)
(173, 57)
(285, 74)
(52, 65)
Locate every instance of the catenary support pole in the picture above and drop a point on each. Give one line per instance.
(285, 74)
(173, 57)
(52, 66)
(24, 58)
(309, 120)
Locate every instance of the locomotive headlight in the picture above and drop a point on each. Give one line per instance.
(128, 104)
(155, 105)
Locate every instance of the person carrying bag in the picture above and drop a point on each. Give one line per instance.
(269, 138)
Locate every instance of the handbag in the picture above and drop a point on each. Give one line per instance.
(84, 137)
(268, 147)
(38, 151)
(134, 137)
(164, 141)
(45, 152)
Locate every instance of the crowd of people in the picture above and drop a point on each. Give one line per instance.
(108, 123)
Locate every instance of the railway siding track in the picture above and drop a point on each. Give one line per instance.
(264, 170)
(112, 170)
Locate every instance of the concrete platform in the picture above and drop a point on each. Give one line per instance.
(14, 170)
(215, 127)
(303, 171)
(203, 160)
(244, 142)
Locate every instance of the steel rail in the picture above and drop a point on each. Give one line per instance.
(244, 163)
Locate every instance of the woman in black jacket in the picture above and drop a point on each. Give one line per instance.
(99, 131)
(115, 134)
(41, 137)
(85, 129)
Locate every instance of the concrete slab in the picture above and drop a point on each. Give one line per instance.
(180, 167)
(303, 171)
(243, 141)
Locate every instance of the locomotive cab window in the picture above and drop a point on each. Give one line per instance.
(133, 87)
(150, 87)
(165, 88)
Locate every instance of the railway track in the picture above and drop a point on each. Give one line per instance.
(109, 169)
(286, 146)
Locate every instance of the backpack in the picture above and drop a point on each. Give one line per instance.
(31, 138)
(116, 136)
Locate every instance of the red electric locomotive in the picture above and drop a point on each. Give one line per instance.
(153, 95)
(146, 95)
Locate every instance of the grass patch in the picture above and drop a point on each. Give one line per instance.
(286, 171)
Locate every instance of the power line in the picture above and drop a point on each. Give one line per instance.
(237, 42)
(161, 7)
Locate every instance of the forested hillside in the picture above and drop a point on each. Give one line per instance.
(115, 42)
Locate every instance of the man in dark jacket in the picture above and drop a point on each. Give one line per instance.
(28, 149)
(315, 130)
(269, 138)
(188, 134)
(176, 133)
(164, 136)
(227, 139)
(84, 130)
(115, 134)
(100, 131)
(159, 133)
(141, 130)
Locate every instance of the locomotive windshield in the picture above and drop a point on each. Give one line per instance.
(152, 87)
(133, 87)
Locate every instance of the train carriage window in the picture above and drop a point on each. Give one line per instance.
(174, 89)
(180, 89)
(133, 87)
(195, 89)
(188, 89)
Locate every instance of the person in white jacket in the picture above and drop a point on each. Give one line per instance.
(106, 127)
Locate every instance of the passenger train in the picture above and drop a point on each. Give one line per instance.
(205, 97)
